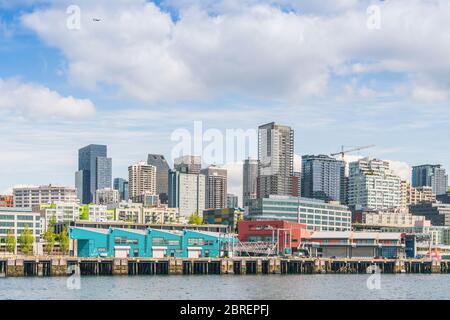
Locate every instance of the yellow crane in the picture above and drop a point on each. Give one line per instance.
(343, 151)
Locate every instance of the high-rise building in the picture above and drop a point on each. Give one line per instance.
(121, 185)
(433, 176)
(94, 171)
(232, 201)
(372, 185)
(216, 187)
(250, 178)
(322, 177)
(187, 192)
(413, 196)
(276, 160)
(162, 175)
(107, 196)
(188, 164)
(30, 196)
(142, 179)
(296, 184)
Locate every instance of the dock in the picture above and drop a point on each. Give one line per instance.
(66, 266)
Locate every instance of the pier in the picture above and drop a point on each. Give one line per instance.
(66, 266)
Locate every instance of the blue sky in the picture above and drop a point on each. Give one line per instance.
(149, 68)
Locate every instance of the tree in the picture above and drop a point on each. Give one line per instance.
(195, 219)
(26, 241)
(64, 241)
(52, 222)
(49, 237)
(11, 242)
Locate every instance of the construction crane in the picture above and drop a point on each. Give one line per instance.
(343, 152)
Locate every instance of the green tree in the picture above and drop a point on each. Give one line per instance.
(64, 241)
(11, 242)
(49, 238)
(52, 222)
(26, 241)
(195, 219)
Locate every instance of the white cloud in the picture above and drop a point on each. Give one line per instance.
(430, 94)
(254, 49)
(36, 101)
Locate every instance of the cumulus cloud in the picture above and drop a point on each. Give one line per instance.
(253, 48)
(36, 101)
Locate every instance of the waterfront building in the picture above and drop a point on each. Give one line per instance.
(188, 164)
(232, 201)
(16, 220)
(350, 244)
(107, 196)
(187, 192)
(433, 176)
(227, 216)
(276, 160)
(315, 214)
(215, 187)
(94, 172)
(437, 213)
(121, 185)
(162, 175)
(373, 186)
(322, 178)
(250, 178)
(64, 212)
(128, 211)
(281, 233)
(150, 243)
(161, 214)
(142, 179)
(30, 196)
(96, 213)
(398, 219)
(6, 201)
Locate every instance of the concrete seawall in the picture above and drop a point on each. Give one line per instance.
(65, 266)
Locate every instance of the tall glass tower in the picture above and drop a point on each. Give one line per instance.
(431, 176)
(94, 171)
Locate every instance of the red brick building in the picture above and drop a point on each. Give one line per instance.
(288, 233)
(6, 201)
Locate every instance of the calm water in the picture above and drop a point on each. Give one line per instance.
(230, 287)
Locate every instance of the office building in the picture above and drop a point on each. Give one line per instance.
(315, 214)
(276, 160)
(6, 201)
(121, 185)
(142, 179)
(107, 196)
(216, 187)
(94, 172)
(162, 175)
(232, 201)
(437, 213)
(250, 178)
(30, 196)
(96, 213)
(433, 176)
(187, 192)
(188, 164)
(16, 220)
(393, 219)
(228, 216)
(373, 186)
(322, 177)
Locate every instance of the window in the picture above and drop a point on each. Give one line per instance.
(195, 242)
(158, 241)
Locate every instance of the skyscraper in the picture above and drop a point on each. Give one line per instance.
(162, 175)
(188, 164)
(187, 192)
(121, 185)
(250, 177)
(141, 179)
(322, 177)
(94, 171)
(276, 160)
(372, 185)
(232, 201)
(216, 187)
(433, 176)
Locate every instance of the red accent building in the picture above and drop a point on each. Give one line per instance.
(289, 233)
(6, 201)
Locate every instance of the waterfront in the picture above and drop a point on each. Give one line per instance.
(327, 286)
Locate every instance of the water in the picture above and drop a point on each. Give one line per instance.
(286, 287)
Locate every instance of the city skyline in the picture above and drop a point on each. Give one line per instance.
(346, 97)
